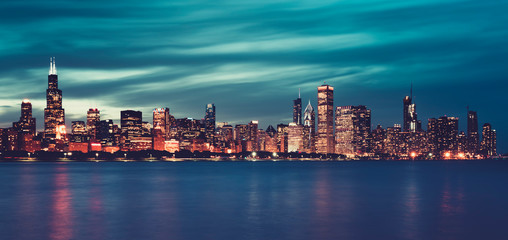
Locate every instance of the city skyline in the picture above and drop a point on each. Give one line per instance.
(364, 64)
(347, 132)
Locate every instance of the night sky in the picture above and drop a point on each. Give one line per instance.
(249, 57)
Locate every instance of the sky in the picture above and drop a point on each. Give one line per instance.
(250, 57)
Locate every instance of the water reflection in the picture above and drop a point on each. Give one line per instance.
(96, 207)
(61, 226)
(411, 211)
(332, 205)
(27, 202)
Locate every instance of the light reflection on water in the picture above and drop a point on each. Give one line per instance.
(263, 200)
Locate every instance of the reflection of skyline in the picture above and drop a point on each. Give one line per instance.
(96, 208)
(333, 206)
(411, 210)
(27, 201)
(61, 226)
(451, 207)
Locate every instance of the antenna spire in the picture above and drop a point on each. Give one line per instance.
(50, 66)
(299, 93)
(54, 65)
(411, 91)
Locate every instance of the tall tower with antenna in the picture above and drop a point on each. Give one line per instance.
(297, 109)
(54, 114)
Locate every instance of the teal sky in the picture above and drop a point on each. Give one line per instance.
(250, 57)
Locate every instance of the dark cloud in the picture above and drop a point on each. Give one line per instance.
(250, 57)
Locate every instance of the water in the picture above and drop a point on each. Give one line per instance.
(254, 200)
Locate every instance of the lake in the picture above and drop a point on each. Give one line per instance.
(254, 200)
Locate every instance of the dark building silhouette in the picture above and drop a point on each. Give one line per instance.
(473, 138)
(297, 110)
(131, 125)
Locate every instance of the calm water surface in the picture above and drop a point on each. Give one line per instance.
(254, 200)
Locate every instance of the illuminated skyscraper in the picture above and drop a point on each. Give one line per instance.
(473, 138)
(410, 119)
(309, 128)
(352, 130)
(210, 122)
(26, 122)
(161, 121)
(297, 110)
(489, 143)
(295, 137)
(93, 117)
(325, 142)
(54, 115)
(78, 131)
(253, 136)
(282, 137)
(160, 131)
(105, 133)
(442, 134)
(131, 123)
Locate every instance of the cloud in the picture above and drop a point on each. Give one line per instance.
(250, 57)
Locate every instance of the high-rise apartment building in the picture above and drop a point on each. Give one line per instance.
(442, 134)
(488, 144)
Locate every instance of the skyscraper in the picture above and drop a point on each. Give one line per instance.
(93, 117)
(210, 122)
(352, 130)
(473, 138)
(161, 121)
(488, 144)
(325, 142)
(26, 122)
(297, 110)
(309, 124)
(253, 136)
(131, 122)
(410, 119)
(442, 133)
(160, 131)
(54, 115)
(295, 137)
(78, 131)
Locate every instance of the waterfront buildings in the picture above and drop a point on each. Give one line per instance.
(325, 138)
(352, 130)
(352, 136)
(297, 110)
(54, 115)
